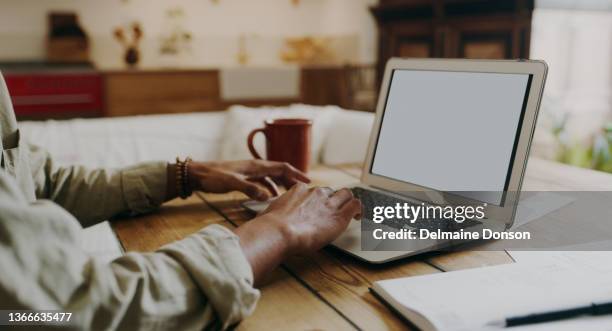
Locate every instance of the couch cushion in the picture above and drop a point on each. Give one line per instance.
(242, 120)
(122, 141)
(348, 141)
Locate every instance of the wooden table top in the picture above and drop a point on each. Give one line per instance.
(329, 290)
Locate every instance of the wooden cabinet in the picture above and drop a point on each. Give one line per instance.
(477, 29)
(323, 85)
(41, 93)
(55, 94)
(139, 92)
(160, 92)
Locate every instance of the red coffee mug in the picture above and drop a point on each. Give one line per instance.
(287, 140)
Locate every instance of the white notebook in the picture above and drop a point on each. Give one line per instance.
(100, 242)
(471, 299)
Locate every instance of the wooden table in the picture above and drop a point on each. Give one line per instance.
(329, 290)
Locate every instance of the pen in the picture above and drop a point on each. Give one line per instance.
(594, 309)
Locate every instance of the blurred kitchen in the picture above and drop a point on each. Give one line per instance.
(85, 58)
(206, 54)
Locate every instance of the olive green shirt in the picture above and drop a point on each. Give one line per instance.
(201, 282)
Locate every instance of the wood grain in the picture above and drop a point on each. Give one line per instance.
(276, 310)
(140, 92)
(340, 280)
(324, 85)
(329, 289)
(161, 92)
(285, 304)
(452, 29)
(175, 220)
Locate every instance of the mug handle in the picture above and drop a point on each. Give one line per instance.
(250, 142)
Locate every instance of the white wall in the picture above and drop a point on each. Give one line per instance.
(577, 45)
(216, 27)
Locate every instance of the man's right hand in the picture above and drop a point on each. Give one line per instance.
(300, 221)
(312, 217)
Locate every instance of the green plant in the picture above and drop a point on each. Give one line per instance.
(602, 149)
(597, 154)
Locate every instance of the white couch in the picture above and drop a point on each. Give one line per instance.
(339, 136)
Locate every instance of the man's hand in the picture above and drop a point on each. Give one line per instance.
(255, 178)
(311, 218)
(300, 221)
(251, 177)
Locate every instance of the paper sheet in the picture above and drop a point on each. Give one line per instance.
(593, 259)
(100, 241)
(470, 299)
(538, 205)
(601, 261)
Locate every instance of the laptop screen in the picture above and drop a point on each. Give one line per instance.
(452, 131)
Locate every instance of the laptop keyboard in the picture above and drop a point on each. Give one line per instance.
(370, 199)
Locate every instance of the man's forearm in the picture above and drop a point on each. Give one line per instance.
(264, 244)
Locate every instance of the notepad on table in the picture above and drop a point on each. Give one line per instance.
(471, 299)
(99, 241)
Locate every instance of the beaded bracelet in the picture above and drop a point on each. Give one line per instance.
(182, 178)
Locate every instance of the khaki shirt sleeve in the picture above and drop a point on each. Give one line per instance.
(94, 195)
(202, 281)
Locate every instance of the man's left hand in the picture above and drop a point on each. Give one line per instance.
(255, 178)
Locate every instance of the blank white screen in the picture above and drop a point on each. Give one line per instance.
(450, 131)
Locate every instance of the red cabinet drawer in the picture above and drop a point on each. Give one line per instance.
(55, 94)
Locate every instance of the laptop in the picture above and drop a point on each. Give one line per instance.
(447, 131)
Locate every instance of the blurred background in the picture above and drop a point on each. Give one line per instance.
(67, 59)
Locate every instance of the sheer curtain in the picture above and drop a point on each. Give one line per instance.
(575, 39)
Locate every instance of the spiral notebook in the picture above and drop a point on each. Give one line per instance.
(471, 299)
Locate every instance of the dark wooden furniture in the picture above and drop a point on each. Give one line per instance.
(477, 29)
(361, 91)
(322, 85)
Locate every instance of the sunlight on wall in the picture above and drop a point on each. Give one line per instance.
(577, 45)
(216, 28)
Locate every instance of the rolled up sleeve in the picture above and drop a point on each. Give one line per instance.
(94, 195)
(219, 268)
(201, 282)
(144, 186)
